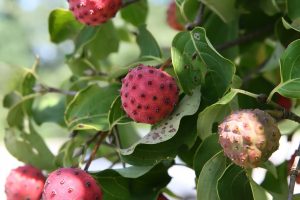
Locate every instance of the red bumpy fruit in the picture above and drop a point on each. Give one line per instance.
(24, 183)
(172, 18)
(148, 94)
(94, 12)
(290, 164)
(71, 183)
(249, 137)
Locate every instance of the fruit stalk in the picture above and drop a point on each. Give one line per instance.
(294, 172)
(102, 136)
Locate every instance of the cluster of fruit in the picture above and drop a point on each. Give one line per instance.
(148, 95)
(96, 12)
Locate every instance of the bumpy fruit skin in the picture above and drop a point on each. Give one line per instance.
(172, 19)
(148, 94)
(24, 183)
(290, 164)
(249, 137)
(94, 12)
(71, 183)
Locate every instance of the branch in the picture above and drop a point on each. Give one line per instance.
(118, 143)
(246, 38)
(166, 64)
(43, 89)
(198, 19)
(102, 136)
(129, 2)
(294, 172)
(284, 114)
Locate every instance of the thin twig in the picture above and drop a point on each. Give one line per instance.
(65, 92)
(166, 64)
(294, 172)
(198, 19)
(284, 114)
(118, 143)
(129, 2)
(113, 164)
(245, 38)
(102, 136)
(43, 89)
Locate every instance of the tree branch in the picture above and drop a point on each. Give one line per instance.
(293, 174)
(40, 88)
(284, 114)
(246, 38)
(166, 64)
(102, 136)
(118, 143)
(198, 19)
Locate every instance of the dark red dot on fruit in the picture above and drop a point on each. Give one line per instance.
(149, 83)
(154, 98)
(140, 75)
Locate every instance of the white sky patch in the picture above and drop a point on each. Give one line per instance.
(29, 5)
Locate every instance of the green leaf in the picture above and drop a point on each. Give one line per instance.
(277, 186)
(150, 154)
(293, 8)
(104, 42)
(29, 148)
(208, 148)
(116, 114)
(187, 69)
(225, 10)
(296, 197)
(147, 43)
(11, 99)
(289, 72)
(220, 32)
(295, 25)
(189, 9)
(208, 178)
(128, 134)
(286, 32)
(17, 112)
(234, 184)
(220, 71)
(272, 62)
(63, 25)
(136, 13)
(46, 110)
(133, 183)
(65, 157)
(80, 66)
(89, 108)
(168, 127)
(269, 7)
(257, 191)
(214, 113)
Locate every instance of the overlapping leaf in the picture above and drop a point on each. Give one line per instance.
(169, 127)
(89, 108)
(289, 72)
